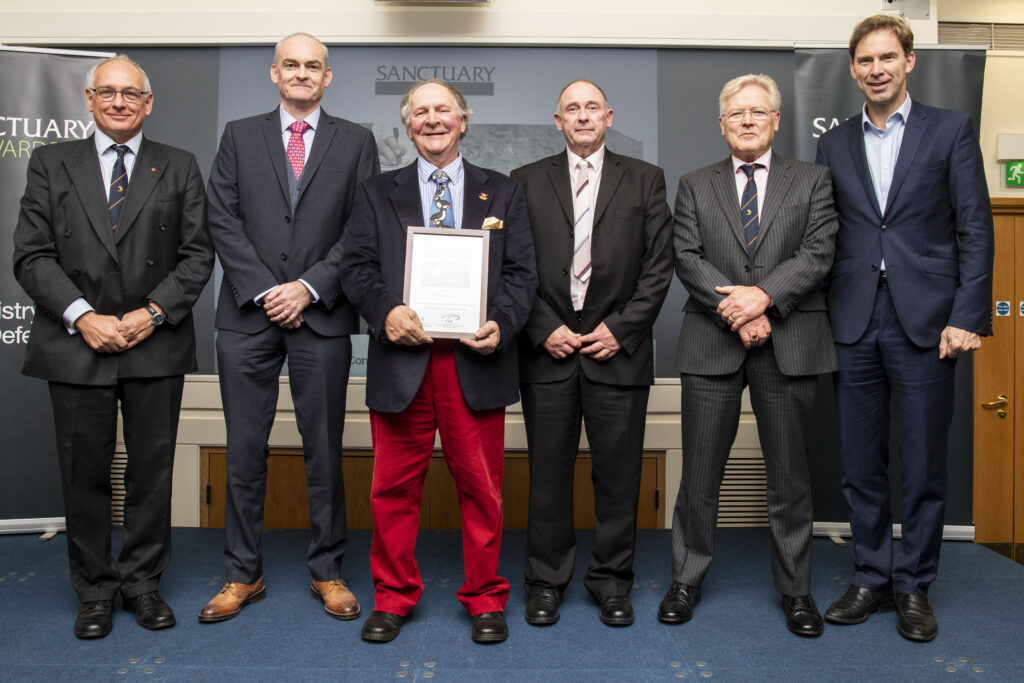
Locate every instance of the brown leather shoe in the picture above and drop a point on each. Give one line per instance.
(337, 598)
(231, 599)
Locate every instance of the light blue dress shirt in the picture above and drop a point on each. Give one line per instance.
(882, 148)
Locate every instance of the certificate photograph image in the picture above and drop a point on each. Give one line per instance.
(445, 280)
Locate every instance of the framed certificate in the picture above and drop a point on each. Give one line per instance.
(446, 280)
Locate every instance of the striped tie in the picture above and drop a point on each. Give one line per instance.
(584, 222)
(748, 208)
(118, 186)
(297, 147)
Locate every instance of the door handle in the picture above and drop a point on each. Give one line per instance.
(1000, 401)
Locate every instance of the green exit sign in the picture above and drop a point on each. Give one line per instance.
(1015, 173)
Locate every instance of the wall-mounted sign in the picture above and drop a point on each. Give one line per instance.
(1015, 173)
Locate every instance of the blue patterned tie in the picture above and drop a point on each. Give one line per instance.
(444, 216)
(748, 208)
(118, 186)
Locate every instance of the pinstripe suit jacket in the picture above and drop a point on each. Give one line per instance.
(796, 244)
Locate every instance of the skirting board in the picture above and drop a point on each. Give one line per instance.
(950, 532)
(39, 525)
(827, 529)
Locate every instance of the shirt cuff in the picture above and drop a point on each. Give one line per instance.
(316, 297)
(259, 297)
(76, 310)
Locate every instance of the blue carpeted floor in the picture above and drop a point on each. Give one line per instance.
(737, 634)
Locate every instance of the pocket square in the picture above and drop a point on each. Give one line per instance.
(492, 223)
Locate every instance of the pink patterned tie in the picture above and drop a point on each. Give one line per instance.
(297, 147)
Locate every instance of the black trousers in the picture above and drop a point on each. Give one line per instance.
(86, 423)
(614, 417)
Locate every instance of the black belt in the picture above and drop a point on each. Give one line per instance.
(883, 279)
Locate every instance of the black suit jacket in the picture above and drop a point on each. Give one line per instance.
(262, 241)
(631, 271)
(64, 249)
(373, 275)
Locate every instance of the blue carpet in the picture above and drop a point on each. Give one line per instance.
(737, 634)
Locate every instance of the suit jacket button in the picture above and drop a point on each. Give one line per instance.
(149, 262)
(163, 226)
(67, 233)
(565, 271)
(746, 268)
(284, 256)
(77, 271)
(884, 228)
(287, 219)
(874, 266)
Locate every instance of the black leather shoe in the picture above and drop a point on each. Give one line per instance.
(542, 607)
(802, 616)
(489, 627)
(857, 604)
(917, 620)
(677, 607)
(616, 610)
(95, 619)
(380, 627)
(150, 611)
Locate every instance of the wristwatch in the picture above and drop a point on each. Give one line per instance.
(157, 318)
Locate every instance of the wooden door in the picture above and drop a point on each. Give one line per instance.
(998, 434)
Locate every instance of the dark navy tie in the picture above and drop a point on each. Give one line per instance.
(748, 208)
(118, 186)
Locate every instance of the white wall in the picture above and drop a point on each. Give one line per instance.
(605, 22)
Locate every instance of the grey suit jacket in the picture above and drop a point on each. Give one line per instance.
(631, 271)
(795, 248)
(263, 241)
(64, 249)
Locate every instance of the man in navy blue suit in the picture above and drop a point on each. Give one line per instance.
(909, 292)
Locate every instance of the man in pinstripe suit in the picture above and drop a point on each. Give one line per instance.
(753, 237)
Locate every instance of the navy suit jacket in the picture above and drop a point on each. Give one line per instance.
(263, 241)
(64, 249)
(373, 275)
(935, 233)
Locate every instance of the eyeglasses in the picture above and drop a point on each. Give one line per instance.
(129, 95)
(737, 116)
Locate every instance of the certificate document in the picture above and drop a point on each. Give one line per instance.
(446, 280)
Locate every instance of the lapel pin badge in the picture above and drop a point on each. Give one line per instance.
(483, 196)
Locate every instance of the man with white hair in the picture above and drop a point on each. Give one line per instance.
(754, 236)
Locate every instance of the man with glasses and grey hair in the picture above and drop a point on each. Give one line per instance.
(753, 238)
(112, 246)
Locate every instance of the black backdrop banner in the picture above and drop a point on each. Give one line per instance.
(42, 101)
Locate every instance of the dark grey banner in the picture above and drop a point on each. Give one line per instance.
(42, 101)
(825, 93)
